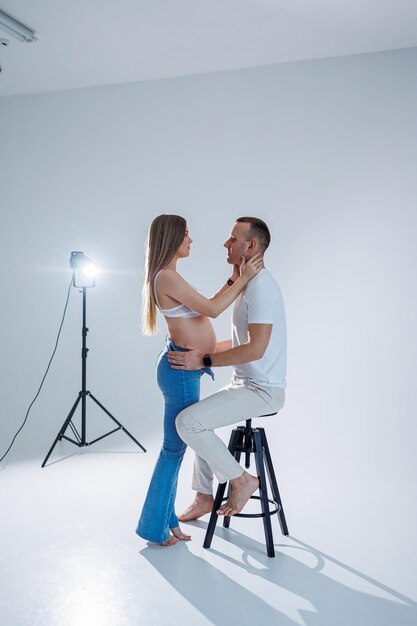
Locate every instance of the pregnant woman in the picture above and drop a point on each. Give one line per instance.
(187, 315)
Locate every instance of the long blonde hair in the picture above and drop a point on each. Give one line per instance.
(166, 234)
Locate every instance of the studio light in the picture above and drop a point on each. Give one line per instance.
(16, 29)
(84, 270)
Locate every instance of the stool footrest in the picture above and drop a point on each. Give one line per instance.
(271, 512)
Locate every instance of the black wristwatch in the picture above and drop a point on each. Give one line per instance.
(207, 360)
(230, 282)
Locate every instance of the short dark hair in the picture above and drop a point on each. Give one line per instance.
(258, 229)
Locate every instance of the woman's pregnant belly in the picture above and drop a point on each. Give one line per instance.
(193, 331)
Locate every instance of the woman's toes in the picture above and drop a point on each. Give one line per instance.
(171, 541)
(177, 532)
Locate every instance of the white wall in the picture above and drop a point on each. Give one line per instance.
(324, 151)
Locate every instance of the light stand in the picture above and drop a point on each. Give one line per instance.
(78, 263)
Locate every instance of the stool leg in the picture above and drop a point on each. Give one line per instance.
(273, 483)
(226, 518)
(219, 496)
(248, 443)
(213, 517)
(235, 448)
(263, 492)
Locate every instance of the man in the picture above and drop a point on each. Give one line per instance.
(257, 351)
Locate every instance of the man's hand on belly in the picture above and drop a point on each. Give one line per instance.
(190, 360)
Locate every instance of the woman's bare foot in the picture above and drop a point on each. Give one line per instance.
(203, 503)
(177, 532)
(171, 541)
(241, 490)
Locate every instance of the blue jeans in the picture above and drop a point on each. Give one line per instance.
(180, 389)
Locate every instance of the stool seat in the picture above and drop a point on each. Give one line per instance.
(248, 440)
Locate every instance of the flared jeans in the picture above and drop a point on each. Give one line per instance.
(180, 389)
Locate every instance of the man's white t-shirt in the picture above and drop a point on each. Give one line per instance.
(261, 303)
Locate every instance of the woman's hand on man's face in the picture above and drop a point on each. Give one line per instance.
(252, 266)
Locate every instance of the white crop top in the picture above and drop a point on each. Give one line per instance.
(177, 311)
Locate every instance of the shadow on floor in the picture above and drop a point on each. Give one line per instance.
(316, 585)
(216, 596)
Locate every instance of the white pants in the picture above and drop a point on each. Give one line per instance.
(241, 400)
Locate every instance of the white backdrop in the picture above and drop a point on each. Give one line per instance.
(326, 153)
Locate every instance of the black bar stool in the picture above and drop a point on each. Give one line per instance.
(248, 440)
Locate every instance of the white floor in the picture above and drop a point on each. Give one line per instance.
(70, 557)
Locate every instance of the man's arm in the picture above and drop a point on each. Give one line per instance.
(224, 345)
(254, 349)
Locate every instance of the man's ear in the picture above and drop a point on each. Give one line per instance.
(253, 246)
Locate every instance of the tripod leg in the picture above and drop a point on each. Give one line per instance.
(63, 429)
(103, 408)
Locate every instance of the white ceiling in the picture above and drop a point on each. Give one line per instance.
(100, 42)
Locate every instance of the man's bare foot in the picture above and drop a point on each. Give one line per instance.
(241, 490)
(177, 532)
(203, 503)
(171, 541)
